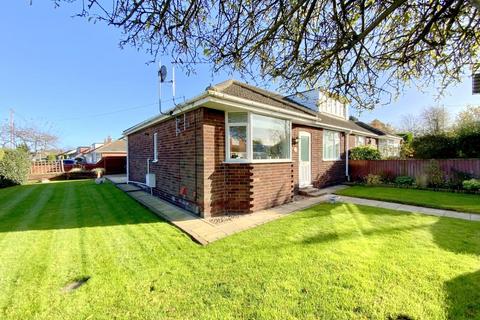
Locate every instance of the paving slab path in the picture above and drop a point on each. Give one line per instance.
(410, 208)
(206, 231)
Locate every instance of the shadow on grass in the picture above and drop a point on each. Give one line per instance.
(457, 235)
(463, 296)
(359, 221)
(67, 205)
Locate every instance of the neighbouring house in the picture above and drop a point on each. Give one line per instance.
(69, 154)
(111, 155)
(77, 153)
(91, 155)
(389, 144)
(236, 148)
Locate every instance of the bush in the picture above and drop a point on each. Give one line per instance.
(455, 181)
(364, 153)
(434, 175)
(471, 185)
(467, 145)
(14, 167)
(439, 146)
(99, 172)
(387, 176)
(373, 179)
(404, 180)
(421, 180)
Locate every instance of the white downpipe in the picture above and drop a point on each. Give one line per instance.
(347, 147)
(128, 162)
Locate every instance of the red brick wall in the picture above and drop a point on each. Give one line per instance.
(272, 184)
(193, 161)
(369, 141)
(238, 188)
(177, 171)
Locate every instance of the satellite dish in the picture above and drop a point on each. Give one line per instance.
(162, 73)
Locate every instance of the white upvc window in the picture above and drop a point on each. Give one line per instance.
(360, 141)
(331, 145)
(251, 137)
(155, 147)
(389, 147)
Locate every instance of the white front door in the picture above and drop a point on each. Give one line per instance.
(304, 162)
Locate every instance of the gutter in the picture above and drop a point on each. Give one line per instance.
(246, 102)
(328, 126)
(249, 105)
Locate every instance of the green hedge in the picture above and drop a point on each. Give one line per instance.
(14, 167)
(364, 153)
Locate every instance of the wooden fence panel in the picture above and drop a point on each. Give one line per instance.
(46, 167)
(412, 167)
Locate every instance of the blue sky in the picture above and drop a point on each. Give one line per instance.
(71, 75)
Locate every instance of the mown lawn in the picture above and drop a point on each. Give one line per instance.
(434, 199)
(328, 262)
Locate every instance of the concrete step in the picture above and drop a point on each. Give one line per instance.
(312, 192)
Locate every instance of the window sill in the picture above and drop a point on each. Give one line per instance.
(257, 161)
(331, 160)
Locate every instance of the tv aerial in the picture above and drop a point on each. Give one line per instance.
(162, 79)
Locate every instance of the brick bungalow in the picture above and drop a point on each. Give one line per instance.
(237, 148)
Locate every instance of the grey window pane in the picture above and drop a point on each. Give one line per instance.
(237, 117)
(305, 146)
(270, 137)
(238, 142)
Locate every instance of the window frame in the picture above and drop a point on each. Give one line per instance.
(339, 134)
(227, 137)
(249, 148)
(364, 140)
(155, 147)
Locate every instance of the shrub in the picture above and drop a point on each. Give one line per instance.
(471, 185)
(421, 180)
(434, 175)
(404, 180)
(80, 173)
(373, 179)
(99, 172)
(364, 153)
(387, 176)
(467, 145)
(455, 181)
(438, 146)
(14, 167)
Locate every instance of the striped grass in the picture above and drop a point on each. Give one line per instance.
(328, 262)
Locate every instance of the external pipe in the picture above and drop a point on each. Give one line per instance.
(347, 149)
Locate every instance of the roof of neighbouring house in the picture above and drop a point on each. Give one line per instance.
(376, 130)
(116, 146)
